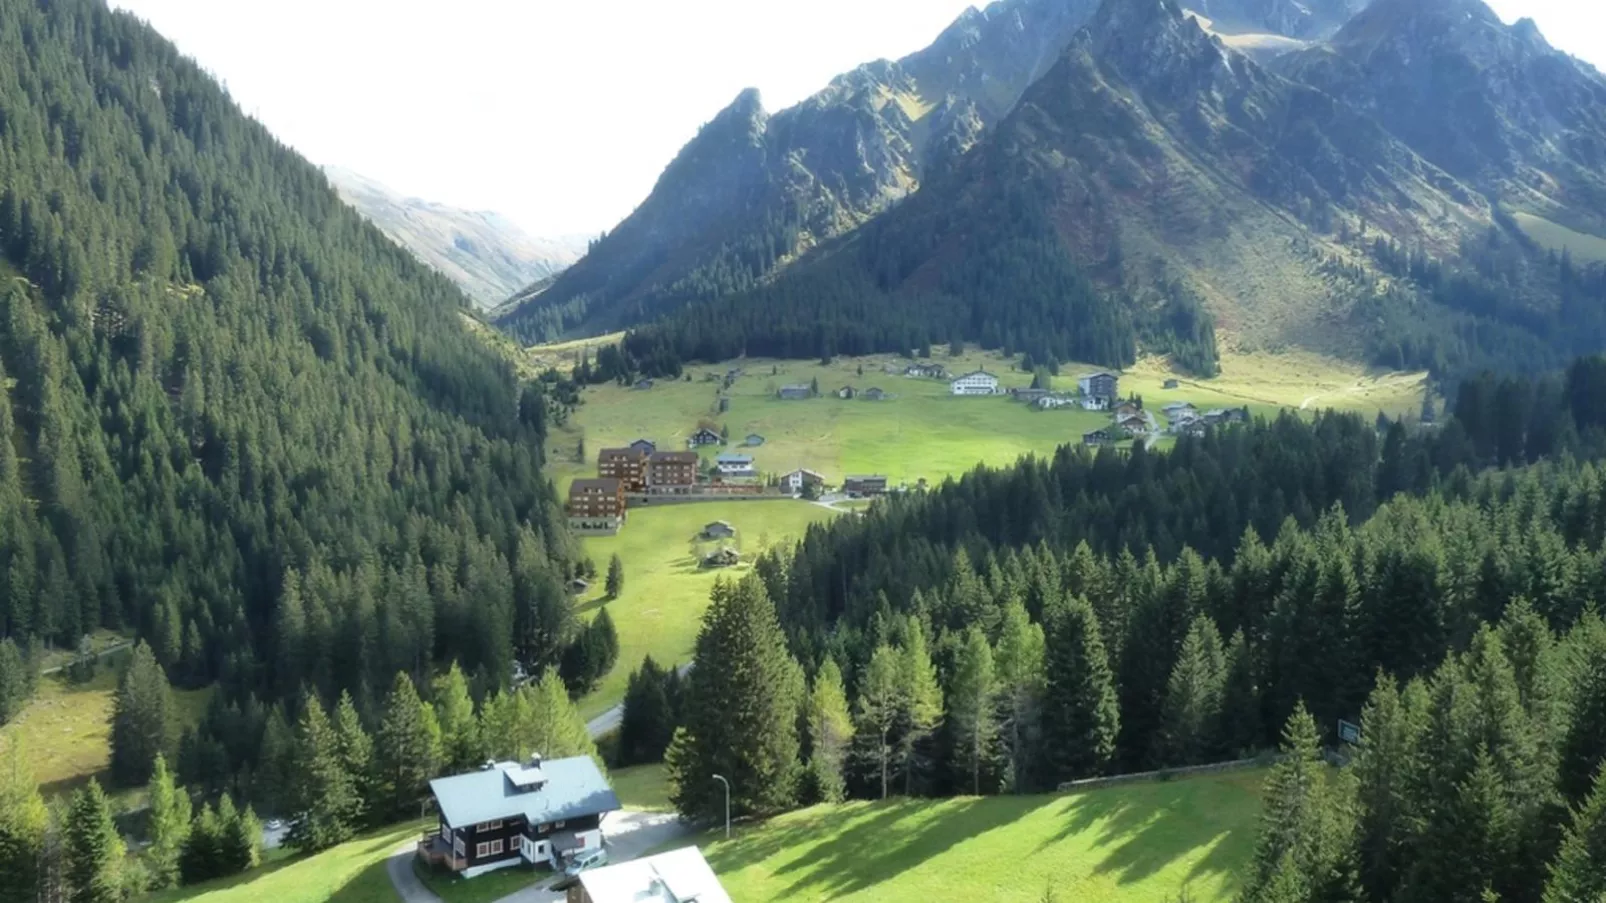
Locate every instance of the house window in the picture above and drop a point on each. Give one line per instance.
(481, 850)
(457, 845)
(559, 824)
(496, 847)
(487, 826)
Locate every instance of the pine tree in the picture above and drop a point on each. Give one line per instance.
(239, 838)
(1019, 660)
(24, 822)
(1387, 766)
(271, 789)
(202, 856)
(1583, 747)
(1191, 714)
(743, 701)
(326, 807)
(94, 851)
(407, 751)
(1579, 873)
(1306, 827)
(1081, 717)
(616, 577)
(142, 719)
(876, 713)
(169, 828)
(972, 701)
(460, 734)
(648, 721)
(356, 751)
(921, 699)
(1241, 729)
(830, 730)
(558, 731)
(16, 683)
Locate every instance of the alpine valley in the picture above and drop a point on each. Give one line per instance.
(1415, 184)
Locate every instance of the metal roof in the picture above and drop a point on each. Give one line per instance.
(678, 876)
(573, 787)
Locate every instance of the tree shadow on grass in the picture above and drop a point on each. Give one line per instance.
(1145, 828)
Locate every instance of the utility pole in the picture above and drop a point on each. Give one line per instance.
(721, 779)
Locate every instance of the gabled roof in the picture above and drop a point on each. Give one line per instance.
(568, 788)
(862, 477)
(679, 876)
(673, 457)
(1099, 373)
(734, 459)
(609, 485)
(808, 473)
(974, 373)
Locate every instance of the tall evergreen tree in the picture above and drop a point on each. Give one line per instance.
(1583, 747)
(1081, 718)
(16, 680)
(94, 871)
(972, 707)
(1579, 873)
(1191, 715)
(326, 806)
(830, 731)
(921, 701)
(454, 710)
(407, 751)
(648, 721)
(1387, 767)
(356, 751)
(876, 711)
(239, 839)
(24, 822)
(742, 706)
(142, 719)
(169, 828)
(616, 577)
(1019, 660)
(1241, 728)
(1306, 833)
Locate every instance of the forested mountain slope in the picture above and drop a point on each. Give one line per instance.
(487, 256)
(239, 419)
(1152, 175)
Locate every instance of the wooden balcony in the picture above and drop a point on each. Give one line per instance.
(435, 850)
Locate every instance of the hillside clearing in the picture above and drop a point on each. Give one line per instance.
(353, 872)
(666, 591)
(1556, 237)
(1134, 843)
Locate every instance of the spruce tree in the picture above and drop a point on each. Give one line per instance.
(356, 751)
(972, 701)
(648, 721)
(1081, 718)
(24, 823)
(830, 731)
(169, 828)
(1583, 747)
(142, 719)
(1387, 767)
(1579, 872)
(276, 766)
(326, 806)
(1241, 728)
(239, 838)
(616, 577)
(16, 682)
(1306, 827)
(743, 701)
(1191, 714)
(876, 712)
(454, 709)
(202, 856)
(1019, 661)
(407, 751)
(921, 699)
(557, 730)
(94, 851)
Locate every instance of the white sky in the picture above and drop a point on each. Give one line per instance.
(561, 115)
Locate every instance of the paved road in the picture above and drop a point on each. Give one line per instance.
(402, 877)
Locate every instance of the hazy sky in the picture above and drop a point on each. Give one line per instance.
(561, 115)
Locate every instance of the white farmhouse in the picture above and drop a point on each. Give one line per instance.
(979, 382)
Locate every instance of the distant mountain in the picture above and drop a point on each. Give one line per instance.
(488, 257)
(1151, 181)
(1493, 104)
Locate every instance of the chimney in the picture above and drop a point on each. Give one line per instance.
(535, 760)
(489, 764)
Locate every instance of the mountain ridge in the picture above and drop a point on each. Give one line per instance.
(488, 256)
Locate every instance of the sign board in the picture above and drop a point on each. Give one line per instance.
(1349, 732)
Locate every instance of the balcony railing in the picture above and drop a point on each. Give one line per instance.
(436, 851)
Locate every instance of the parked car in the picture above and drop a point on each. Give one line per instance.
(588, 860)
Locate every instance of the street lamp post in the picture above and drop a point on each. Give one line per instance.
(721, 779)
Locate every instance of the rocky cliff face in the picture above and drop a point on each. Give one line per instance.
(487, 256)
(1494, 105)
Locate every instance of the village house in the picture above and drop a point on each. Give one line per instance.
(578, 586)
(730, 465)
(977, 382)
(645, 445)
(1095, 438)
(1089, 403)
(1171, 384)
(722, 557)
(511, 813)
(596, 506)
(719, 530)
(861, 486)
(671, 473)
(874, 394)
(704, 436)
(795, 392)
(627, 465)
(1133, 426)
(846, 392)
(1102, 384)
(753, 440)
(1049, 402)
(1127, 409)
(926, 371)
(678, 876)
(797, 479)
(1177, 409)
(1029, 396)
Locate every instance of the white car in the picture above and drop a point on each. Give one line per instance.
(587, 860)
